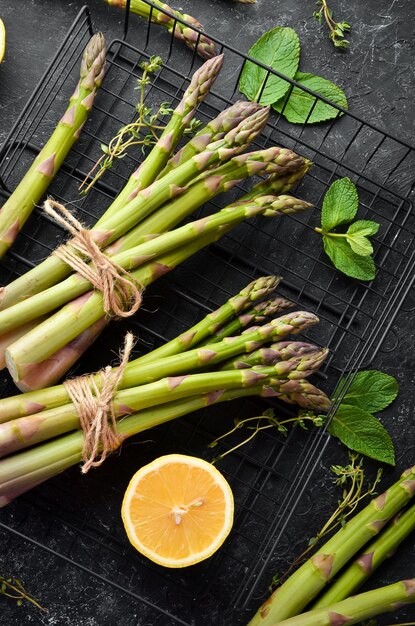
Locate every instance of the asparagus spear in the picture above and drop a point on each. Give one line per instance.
(255, 315)
(207, 327)
(381, 548)
(171, 185)
(74, 318)
(313, 357)
(200, 43)
(29, 191)
(358, 608)
(55, 366)
(200, 84)
(52, 270)
(282, 350)
(312, 576)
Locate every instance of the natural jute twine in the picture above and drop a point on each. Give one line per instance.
(94, 404)
(122, 294)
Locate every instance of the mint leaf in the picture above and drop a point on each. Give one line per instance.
(280, 49)
(371, 390)
(357, 234)
(360, 245)
(299, 108)
(362, 432)
(347, 261)
(364, 228)
(340, 204)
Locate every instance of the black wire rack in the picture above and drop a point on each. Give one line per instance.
(77, 519)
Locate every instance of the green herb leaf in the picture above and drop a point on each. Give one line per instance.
(347, 261)
(371, 390)
(364, 228)
(360, 245)
(300, 103)
(280, 49)
(340, 204)
(362, 432)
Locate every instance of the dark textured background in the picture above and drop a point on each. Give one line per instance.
(377, 74)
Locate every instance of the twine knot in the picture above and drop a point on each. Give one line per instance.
(94, 404)
(122, 294)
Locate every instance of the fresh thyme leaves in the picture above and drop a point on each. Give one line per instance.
(144, 131)
(13, 588)
(351, 479)
(337, 30)
(264, 422)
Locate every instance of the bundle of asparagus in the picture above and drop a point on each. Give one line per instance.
(39, 340)
(336, 606)
(198, 368)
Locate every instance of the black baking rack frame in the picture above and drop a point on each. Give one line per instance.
(77, 519)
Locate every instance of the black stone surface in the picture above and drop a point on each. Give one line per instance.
(377, 74)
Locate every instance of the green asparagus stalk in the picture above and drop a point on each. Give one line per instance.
(200, 43)
(30, 430)
(8, 338)
(33, 185)
(358, 608)
(312, 361)
(304, 585)
(75, 285)
(299, 391)
(381, 548)
(282, 350)
(52, 270)
(152, 197)
(256, 315)
(54, 367)
(74, 318)
(207, 327)
(200, 85)
(21, 471)
(139, 371)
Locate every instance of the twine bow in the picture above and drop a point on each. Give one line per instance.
(94, 404)
(122, 294)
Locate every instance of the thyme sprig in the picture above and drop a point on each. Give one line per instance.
(13, 588)
(352, 481)
(264, 422)
(337, 30)
(144, 131)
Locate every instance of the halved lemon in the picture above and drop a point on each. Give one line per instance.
(2, 40)
(177, 510)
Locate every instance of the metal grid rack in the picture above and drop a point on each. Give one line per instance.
(77, 518)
